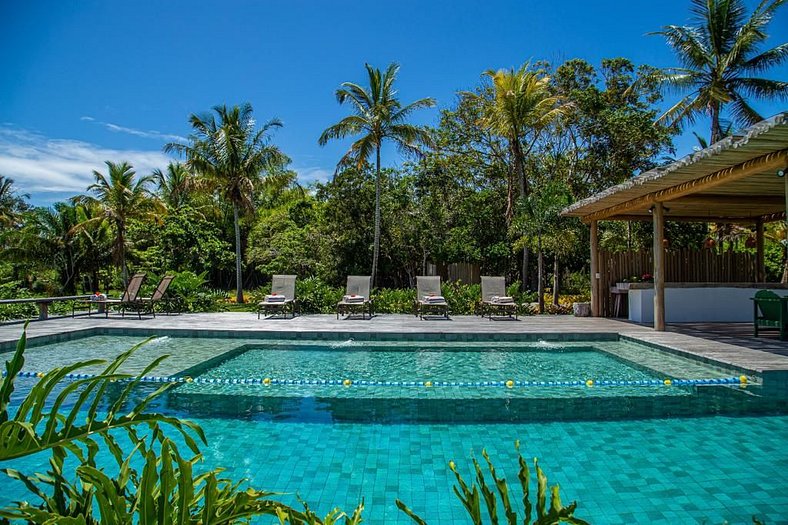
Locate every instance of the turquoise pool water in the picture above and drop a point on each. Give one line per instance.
(642, 470)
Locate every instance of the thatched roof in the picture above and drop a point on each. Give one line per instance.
(733, 180)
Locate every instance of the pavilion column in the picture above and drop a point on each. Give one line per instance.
(596, 299)
(760, 266)
(658, 213)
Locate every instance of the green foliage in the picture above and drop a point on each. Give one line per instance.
(188, 293)
(16, 311)
(315, 296)
(166, 489)
(481, 498)
(394, 300)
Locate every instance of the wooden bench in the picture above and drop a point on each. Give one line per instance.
(44, 302)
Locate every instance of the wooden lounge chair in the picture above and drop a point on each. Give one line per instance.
(770, 311)
(429, 298)
(148, 304)
(494, 299)
(130, 298)
(357, 296)
(282, 298)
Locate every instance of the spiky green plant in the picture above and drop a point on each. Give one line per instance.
(165, 490)
(471, 497)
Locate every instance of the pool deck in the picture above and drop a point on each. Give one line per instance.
(710, 343)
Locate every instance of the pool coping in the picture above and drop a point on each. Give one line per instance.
(404, 327)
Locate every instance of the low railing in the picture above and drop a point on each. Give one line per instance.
(44, 302)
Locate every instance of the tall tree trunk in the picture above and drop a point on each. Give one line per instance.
(556, 280)
(124, 271)
(376, 242)
(716, 129)
(519, 168)
(540, 273)
(239, 292)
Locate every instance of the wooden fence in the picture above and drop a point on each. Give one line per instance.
(688, 266)
(468, 273)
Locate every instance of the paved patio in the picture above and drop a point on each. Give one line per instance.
(719, 343)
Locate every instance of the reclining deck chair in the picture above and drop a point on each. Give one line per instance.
(282, 298)
(770, 311)
(357, 297)
(429, 298)
(148, 304)
(494, 298)
(129, 300)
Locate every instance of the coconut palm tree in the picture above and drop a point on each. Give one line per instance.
(121, 196)
(230, 155)
(377, 116)
(522, 106)
(174, 185)
(11, 203)
(720, 63)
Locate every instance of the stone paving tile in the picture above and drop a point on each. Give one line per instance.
(738, 352)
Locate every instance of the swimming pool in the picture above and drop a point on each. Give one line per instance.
(633, 468)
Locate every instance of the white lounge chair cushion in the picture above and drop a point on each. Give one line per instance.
(434, 299)
(274, 299)
(502, 299)
(354, 298)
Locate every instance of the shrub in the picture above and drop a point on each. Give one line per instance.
(188, 293)
(16, 311)
(395, 300)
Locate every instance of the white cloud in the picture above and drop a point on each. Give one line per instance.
(39, 164)
(149, 134)
(310, 175)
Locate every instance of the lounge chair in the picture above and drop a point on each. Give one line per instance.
(129, 300)
(494, 299)
(357, 297)
(148, 304)
(282, 297)
(770, 311)
(429, 298)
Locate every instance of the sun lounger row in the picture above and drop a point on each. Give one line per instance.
(357, 299)
(130, 300)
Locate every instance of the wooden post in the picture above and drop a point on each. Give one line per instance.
(760, 267)
(596, 299)
(658, 213)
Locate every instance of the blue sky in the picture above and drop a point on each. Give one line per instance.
(87, 81)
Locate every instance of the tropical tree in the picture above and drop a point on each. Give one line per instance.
(230, 155)
(377, 116)
(11, 203)
(174, 185)
(720, 63)
(522, 106)
(121, 196)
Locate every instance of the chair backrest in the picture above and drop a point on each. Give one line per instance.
(283, 285)
(492, 287)
(359, 285)
(769, 304)
(133, 288)
(427, 285)
(161, 289)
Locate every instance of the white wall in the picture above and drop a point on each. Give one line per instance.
(687, 305)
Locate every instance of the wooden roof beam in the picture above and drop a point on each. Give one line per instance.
(772, 217)
(771, 161)
(711, 199)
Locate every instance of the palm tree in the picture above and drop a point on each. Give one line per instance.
(377, 115)
(719, 60)
(11, 204)
(121, 196)
(174, 185)
(523, 105)
(230, 155)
